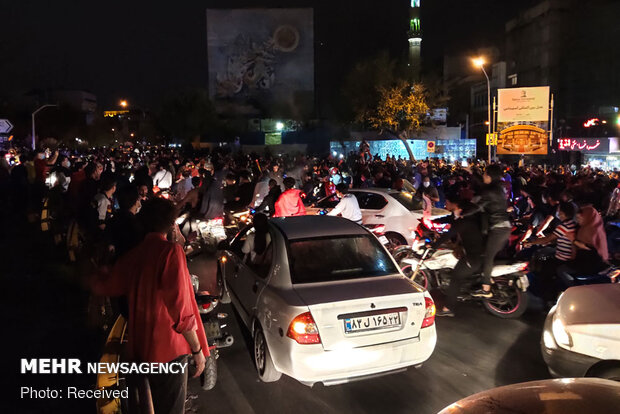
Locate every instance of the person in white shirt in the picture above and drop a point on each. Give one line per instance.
(348, 207)
(162, 178)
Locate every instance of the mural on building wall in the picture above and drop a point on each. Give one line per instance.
(261, 61)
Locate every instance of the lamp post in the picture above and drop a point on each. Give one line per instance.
(479, 62)
(33, 128)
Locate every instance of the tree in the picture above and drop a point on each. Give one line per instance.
(401, 110)
(361, 87)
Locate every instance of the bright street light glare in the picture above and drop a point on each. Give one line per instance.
(124, 103)
(478, 62)
(279, 126)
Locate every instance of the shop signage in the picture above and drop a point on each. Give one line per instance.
(600, 145)
(430, 146)
(522, 139)
(523, 104)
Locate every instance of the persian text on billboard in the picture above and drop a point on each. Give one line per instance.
(261, 61)
(522, 139)
(523, 104)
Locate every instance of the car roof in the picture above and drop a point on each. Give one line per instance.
(304, 227)
(376, 190)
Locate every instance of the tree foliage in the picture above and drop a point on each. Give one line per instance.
(402, 107)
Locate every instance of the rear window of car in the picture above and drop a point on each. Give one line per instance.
(338, 258)
(410, 202)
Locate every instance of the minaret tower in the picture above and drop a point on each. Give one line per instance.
(415, 40)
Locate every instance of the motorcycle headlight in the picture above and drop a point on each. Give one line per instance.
(560, 334)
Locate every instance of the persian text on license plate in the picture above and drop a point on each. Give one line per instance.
(369, 323)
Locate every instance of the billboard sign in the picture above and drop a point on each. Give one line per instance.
(522, 139)
(523, 104)
(261, 62)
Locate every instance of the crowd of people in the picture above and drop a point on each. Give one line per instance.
(108, 202)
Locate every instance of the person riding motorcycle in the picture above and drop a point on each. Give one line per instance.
(290, 202)
(466, 229)
(492, 201)
(348, 207)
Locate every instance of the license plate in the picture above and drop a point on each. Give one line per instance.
(383, 240)
(372, 322)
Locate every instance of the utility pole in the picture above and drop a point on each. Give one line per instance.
(33, 128)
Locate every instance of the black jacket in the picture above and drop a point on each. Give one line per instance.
(467, 228)
(493, 204)
(270, 201)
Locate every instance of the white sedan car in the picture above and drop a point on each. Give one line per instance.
(327, 303)
(582, 333)
(394, 213)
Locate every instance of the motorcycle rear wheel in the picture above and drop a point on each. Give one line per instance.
(508, 301)
(208, 378)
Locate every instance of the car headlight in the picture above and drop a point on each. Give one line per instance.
(560, 334)
(548, 340)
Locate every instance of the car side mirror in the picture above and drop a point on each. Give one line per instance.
(223, 245)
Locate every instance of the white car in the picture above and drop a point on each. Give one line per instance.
(327, 303)
(394, 213)
(582, 333)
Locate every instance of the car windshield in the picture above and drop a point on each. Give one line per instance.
(410, 202)
(341, 258)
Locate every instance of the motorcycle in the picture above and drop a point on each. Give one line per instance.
(217, 338)
(201, 235)
(433, 267)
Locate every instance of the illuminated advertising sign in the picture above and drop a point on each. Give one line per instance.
(599, 145)
(523, 104)
(522, 139)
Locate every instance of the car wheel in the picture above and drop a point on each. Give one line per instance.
(262, 359)
(394, 240)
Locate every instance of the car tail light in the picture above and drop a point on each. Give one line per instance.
(206, 305)
(303, 330)
(429, 316)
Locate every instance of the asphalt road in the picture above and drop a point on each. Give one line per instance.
(475, 351)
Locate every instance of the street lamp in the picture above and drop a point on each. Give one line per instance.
(33, 128)
(123, 103)
(479, 63)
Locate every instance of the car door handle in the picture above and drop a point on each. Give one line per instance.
(255, 287)
(379, 215)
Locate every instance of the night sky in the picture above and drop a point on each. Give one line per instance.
(145, 50)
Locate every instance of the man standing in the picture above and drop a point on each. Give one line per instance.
(348, 207)
(164, 323)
